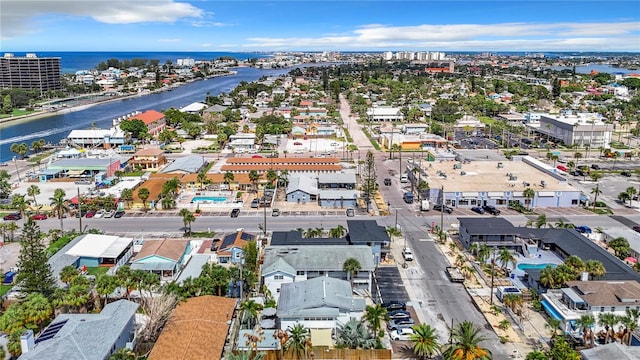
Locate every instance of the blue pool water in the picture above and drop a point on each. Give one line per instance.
(534, 266)
(209, 198)
(550, 310)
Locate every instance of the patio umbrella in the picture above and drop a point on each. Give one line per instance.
(631, 260)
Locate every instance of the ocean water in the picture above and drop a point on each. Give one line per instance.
(72, 61)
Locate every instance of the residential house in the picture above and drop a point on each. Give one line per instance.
(149, 159)
(197, 330)
(320, 305)
(154, 120)
(242, 142)
(229, 249)
(369, 233)
(193, 108)
(632, 237)
(613, 350)
(106, 138)
(162, 257)
(414, 128)
(98, 250)
(384, 113)
(302, 189)
(287, 264)
(295, 238)
(84, 336)
(338, 181)
(331, 198)
(190, 164)
(302, 165)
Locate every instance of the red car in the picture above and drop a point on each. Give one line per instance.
(90, 213)
(257, 156)
(297, 143)
(39, 217)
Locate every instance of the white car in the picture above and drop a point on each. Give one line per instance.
(100, 213)
(407, 254)
(403, 334)
(108, 214)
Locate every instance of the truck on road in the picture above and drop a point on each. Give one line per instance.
(408, 197)
(424, 205)
(454, 274)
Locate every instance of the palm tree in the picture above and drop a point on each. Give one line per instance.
(483, 253)
(126, 195)
(425, 341)
(272, 176)
(337, 232)
(506, 257)
(586, 322)
(20, 203)
(529, 194)
(620, 246)
(68, 273)
(228, 178)
(187, 219)
(249, 310)
(351, 266)
(59, 204)
(596, 191)
(632, 323)
(513, 301)
(465, 344)
(541, 221)
(143, 194)
(202, 178)
(299, 341)
(547, 278)
(105, 285)
(283, 178)
(253, 177)
(575, 263)
(355, 335)
(595, 268)
(553, 324)
(374, 315)
(609, 321)
(631, 191)
(595, 176)
(33, 191)
(615, 155)
(37, 309)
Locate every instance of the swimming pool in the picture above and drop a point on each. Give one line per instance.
(215, 199)
(534, 266)
(551, 310)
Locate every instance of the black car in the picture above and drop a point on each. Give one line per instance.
(394, 305)
(636, 228)
(118, 214)
(477, 209)
(491, 209)
(440, 207)
(626, 173)
(235, 212)
(387, 182)
(595, 166)
(13, 216)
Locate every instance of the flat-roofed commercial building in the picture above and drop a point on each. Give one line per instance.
(581, 129)
(498, 183)
(30, 72)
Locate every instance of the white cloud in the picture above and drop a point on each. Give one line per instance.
(18, 16)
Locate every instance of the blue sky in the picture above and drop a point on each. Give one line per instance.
(199, 25)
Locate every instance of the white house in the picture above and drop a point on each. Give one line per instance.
(320, 305)
(288, 264)
(384, 113)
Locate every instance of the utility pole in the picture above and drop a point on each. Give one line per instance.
(493, 267)
(264, 226)
(80, 210)
(442, 212)
(17, 169)
(396, 226)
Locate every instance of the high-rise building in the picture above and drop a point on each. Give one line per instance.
(30, 72)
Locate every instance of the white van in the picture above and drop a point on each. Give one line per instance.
(404, 178)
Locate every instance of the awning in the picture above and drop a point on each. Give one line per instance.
(573, 295)
(75, 172)
(268, 312)
(321, 337)
(631, 259)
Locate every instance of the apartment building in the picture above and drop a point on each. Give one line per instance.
(30, 72)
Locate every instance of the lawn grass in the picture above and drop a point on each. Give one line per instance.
(97, 271)
(4, 289)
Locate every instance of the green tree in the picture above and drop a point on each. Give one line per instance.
(596, 191)
(506, 258)
(561, 350)
(202, 178)
(33, 191)
(351, 266)
(60, 207)
(123, 354)
(529, 194)
(5, 187)
(547, 278)
(425, 341)
(249, 309)
(620, 246)
(299, 341)
(19, 203)
(105, 285)
(374, 315)
(541, 221)
(68, 273)
(465, 344)
(355, 335)
(126, 195)
(187, 219)
(272, 176)
(369, 184)
(608, 321)
(135, 127)
(536, 355)
(337, 232)
(20, 149)
(35, 273)
(228, 177)
(143, 194)
(254, 176)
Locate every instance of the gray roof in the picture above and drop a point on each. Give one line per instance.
(187, 164)
(215, 108)
(154, 266)
(366, 231)
(85, 336)
(487, 226)
(193, 269)
(321, 296)
(315, 258)
(81, 162)
(293, 237)
(303, 183)
(611, 351)
(337, 178)
(60, 259)
(337, 194)
(632, 237)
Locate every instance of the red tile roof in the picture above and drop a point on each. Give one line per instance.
(149, 116)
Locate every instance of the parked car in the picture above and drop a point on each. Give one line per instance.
(256, 156)
(402, 334)
(445, 208)
(297, 143)
(118, 214)
(394, 305)
(477, 209)
(275, 212)
(595, 166)
(90, 214)
(399, 314)
(387, 181)
(81, 213)
(351, 212)
(626, 173)
(108, 214)
(235, 212)
(13, 216)
(636, 228)
(491, 209)
(407, 255)
(100, 213)
(584, 229)
(255, 203)
(39, 217)
(400, 323)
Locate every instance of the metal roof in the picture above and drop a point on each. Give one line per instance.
(366, 231)
(321, 296)
(193, 269)
(100, 246)
(316, 257)
(294, 237)
(187, 164)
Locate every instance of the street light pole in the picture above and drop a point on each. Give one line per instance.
(396, 225)
(493, 266)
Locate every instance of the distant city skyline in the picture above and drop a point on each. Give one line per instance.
(283, 25)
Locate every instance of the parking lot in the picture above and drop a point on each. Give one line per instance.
(390, 285)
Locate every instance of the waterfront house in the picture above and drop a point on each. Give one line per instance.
(154, 120)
